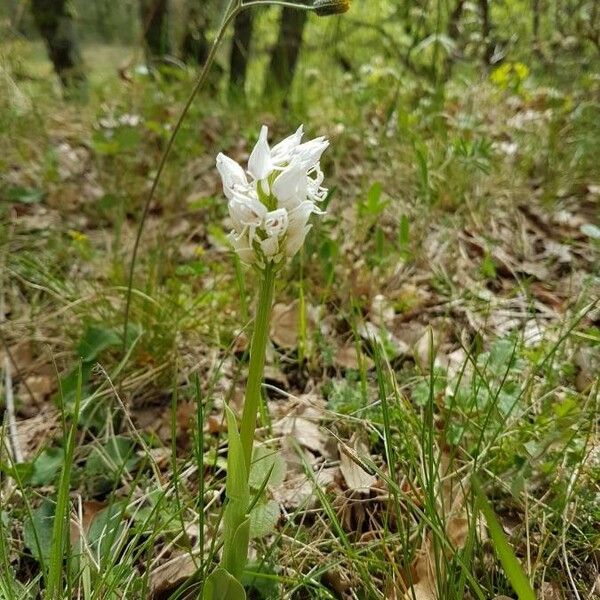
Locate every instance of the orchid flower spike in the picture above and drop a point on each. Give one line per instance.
(270, 203)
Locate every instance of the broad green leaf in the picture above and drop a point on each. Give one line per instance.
(96, 339)
(105, 530)
(23, 195)
(263, 518)
(37, 532)
(46, 466)
(221, 585)
(19, 471)
(107, 462)
(262, 579)
(68, 385)
(233, 517)
(236, 524)
(265, 460)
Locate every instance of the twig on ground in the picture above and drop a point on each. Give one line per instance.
(13, 433)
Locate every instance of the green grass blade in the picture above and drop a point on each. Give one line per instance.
(512, 567)
(60, 530)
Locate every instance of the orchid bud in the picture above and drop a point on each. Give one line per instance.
(325, 8)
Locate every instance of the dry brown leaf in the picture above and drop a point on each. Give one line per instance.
(41, 218)
(588, 367)
(381, 311)
(89, 510)
(369, 331)
(36, 388)
(298, 490)
(301, 421)
(452, 497)
(171, 574)
(423, 568)
(347, 358)
(276, 376)
(21, 356)
(421, 591)
(357, 479)
(285, 324)
(457, 529)
(307, 432)
(35, 432)
(551, 591)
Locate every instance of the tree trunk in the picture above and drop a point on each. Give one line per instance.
(284, 56)
(454, 33)
(486, 28)
(454, 21)
(536, 27)
(240, 52)
(154, 16)
(55, 23)
(195, 45)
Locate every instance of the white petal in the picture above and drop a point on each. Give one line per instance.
(300, 215)
(242, 247)
(246, 211)
(270, 246)
(231, 173)
(276, 222)
(260, 164)
(290, 187)
(294, 242)
(310, 152)
(282, 152)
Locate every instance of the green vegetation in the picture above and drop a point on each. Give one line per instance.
(432, 383)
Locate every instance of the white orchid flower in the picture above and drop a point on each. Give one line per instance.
(232, 174)
(291, 186)
(276, 222)
(270, 210)
(242, 247)
(282, 152)
(247, 214)
(260, 163)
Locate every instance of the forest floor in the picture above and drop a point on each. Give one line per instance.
(441, 322)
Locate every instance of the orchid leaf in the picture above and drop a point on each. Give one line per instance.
(263, 518)
(237, 476)
(221, 585)
(236, 532)
(235, 552)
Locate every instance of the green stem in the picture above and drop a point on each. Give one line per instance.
(257, 362)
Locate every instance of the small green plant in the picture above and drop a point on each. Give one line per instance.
(510, 76)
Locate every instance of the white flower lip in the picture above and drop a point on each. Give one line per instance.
(271, 208)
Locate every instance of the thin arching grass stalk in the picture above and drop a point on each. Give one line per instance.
(233, 9)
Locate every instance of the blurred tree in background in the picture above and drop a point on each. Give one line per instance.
(423, 38)
(195, 44)
(284, 56)
(55, 22)
(154, 16)
(240, 52)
